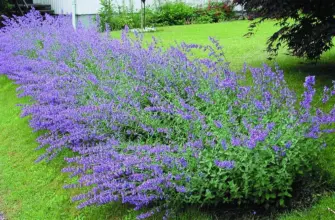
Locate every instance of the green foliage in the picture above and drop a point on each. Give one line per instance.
(168, 13)
(176, 13)
(214, 12)
(120, 21)
(123, 16)
(173, 13)
(259, 178)
(306, 28)
(106, 13)
(263, 175)
(203, 19)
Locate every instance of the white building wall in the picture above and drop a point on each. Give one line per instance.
(84, 7)
(59, 6)
(88, 7)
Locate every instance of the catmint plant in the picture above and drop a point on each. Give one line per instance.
(159, 129)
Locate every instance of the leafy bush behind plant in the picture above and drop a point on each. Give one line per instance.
(214, 12)
(173, 13)
(168, 13)
(116, 17)
(157, 129)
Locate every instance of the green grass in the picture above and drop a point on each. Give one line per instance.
(31, 190)
(34, 191)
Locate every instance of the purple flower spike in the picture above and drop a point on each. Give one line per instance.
(93, 79)
(226, 164)
(276, 148)
(235, 141)
(288, 144)
(224, 144)
(218, 124)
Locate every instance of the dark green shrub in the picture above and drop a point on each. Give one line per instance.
(203, 19)
(119, 21)
(173, 13)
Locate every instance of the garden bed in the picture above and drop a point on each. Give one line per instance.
(110, 119)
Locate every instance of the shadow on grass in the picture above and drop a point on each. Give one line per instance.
(324, 70)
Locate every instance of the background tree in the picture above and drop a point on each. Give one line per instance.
(307, 27)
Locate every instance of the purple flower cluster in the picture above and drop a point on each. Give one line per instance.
(147, 122)
(225, 164)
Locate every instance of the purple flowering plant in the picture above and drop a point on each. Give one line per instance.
(159, 129)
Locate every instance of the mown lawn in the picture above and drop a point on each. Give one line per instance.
(34, 191)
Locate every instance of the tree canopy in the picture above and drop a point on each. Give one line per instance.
(307, 27)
